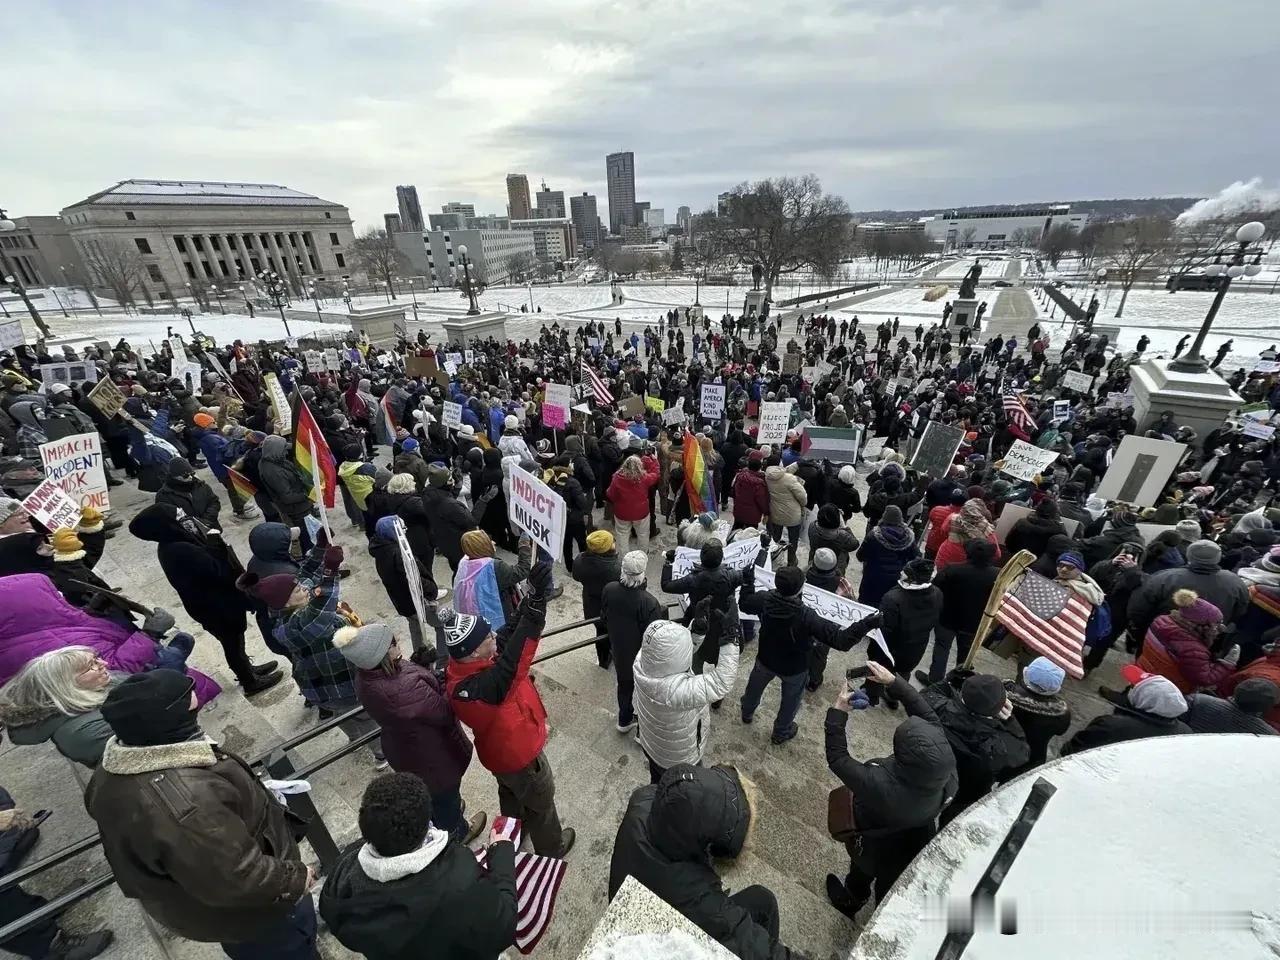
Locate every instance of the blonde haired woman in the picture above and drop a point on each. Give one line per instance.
(57, 697)
(629, 494)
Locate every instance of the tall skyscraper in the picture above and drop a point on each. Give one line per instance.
(620, 173)
(550, 202)
(518, 207)
(586, 220)
(392, 222)
(684, 220)
(410, 210)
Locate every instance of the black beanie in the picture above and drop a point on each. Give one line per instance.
(983, 694)
(789, 581)
(148, 709)
(711, 555)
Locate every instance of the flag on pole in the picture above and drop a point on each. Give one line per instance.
(697, 478)
(538, 882)
(308, 445)
(390, 421)
(1017, 413)
(589, 376)
(1049, 618)
(241, 483)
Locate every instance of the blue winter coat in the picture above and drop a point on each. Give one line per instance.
(883, 554)
(213, 446)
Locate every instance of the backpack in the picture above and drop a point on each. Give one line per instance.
(1099, 625)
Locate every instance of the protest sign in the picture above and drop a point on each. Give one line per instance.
(632, 406)
(656, 404)
(291, 343)
(593, 343)
(332, 361)
(416, 366)
(188, 373)
(454, 358)
(837, 444)
(177, 348)
(712, 406)
(280, 411)
(1075, 380)
(673, 415)
(11, 334)
(1026, 460)
(737, 556)
(859, 385)
(469, 357)
(555, 405)
(809, 373)
(50, 504)
(1140, 469)
(1120, 400)
(1061, 409)
(937, 449)
(1262, 366)
(775, 417)
(314, 360)
(451, 368)
(452, 415)
(1252, 428)
(790, 363)
(107, 397)
(1013, 512)
(68, 372)
(537, 510)
(74, 463)
(412, 576)
(829, 606)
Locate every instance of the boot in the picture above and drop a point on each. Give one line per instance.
(262, 669)
(256, 684)
(68, 946)
(476, 825)
(567, 837)
(841, 898)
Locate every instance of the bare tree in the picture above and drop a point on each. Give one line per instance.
(966, 237)
(1087, 241)
(1057, 242)
(1025, 238)
(1194, 245)
(627, 264)
(375, 253)
(784, 224)
(117, 266)
(520, 266)
(1133, 248)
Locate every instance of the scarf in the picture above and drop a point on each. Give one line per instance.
(972, 522)
(893, 538)
(389, 869)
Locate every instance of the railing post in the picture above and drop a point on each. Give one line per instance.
(281, 767)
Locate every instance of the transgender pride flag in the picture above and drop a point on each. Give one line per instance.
(697, 478)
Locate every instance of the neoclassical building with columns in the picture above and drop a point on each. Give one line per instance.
(194, 234)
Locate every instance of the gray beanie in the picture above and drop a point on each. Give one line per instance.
(1159, 696)
(1204, 551)
(366, 646)
(1188, 530)
(634, 565)
(8, 507)
(824, 558)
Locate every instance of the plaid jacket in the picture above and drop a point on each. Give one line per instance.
(322, 673)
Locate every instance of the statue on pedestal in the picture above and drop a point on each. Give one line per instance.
(946, 312)
(982, 308)
(970, 282)
(757, 274)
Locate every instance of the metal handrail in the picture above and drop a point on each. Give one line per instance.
(62, 903)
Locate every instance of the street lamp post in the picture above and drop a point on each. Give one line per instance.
(244, 292)
(186, 312)
(218, 293)
(346, 295)
(474, 309)
(7, 226)
(529, 287)
(279, 295)
(413, 292)
(1246, 237)
(311, 288)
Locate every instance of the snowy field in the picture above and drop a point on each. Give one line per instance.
(901, 302)
(144, 332)
(991, 269)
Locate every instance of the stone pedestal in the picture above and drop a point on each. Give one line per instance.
(382, 325)
(696, 312)
(753, 303)
(1197, 400)
(964, 313)
(464, 330)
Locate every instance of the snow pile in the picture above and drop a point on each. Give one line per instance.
(1243, 199)
(673, 945)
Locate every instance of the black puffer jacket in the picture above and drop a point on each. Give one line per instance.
(283, 482)
(1103, 546)
(595, 571)
(788, 629)
(910, 614)
(965, 588)
(449, 519)
(627, 611)
(985, 747)
(1033, 533)
(840, 540)
(1209, 714)
(1125, 723)
(195, 498)
(1042, 717)
(667, 838)
(450, 910)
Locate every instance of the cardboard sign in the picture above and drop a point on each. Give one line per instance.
(790, 363)
(1075, 380)
(712, 405)
(50, 504)
(177, 348)
(412, 576)
(632, 406)
(1139, 470)
(1252, 428)
(556, 402)
(74, 463)
(452, 415)
(416, 366)
(537, 510)
(775, 418)
(656, 404)
(673, 415)
(1026, 460)
(829, 606)
(107, 397)
(332, 361)
(937, 449)
(11, 334)
(280, 411)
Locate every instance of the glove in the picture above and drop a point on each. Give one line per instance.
(540, 579)
(333, 558)
(158, 622)
(749, 575)
(764, 541)
(670, 556)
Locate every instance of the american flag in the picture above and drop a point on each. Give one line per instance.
(603, 396)
(537, 886)
(1049, 618)
(1017, 412)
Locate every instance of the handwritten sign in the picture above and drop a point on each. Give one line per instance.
(452, 415)
(50, 504)
(1075, 380)
(775, 416)
(1025, 460)
(412, 575)
(555, 405)
(1120, 400)
(1252, 428)
(712, 405)
(656, 404)
(673, 415)
(791, 363)
(537, 510)
(107, 397)
(937, 449)
(74, 463)
(737, 556)
(280, 411)
(11, 334)
(829, 606)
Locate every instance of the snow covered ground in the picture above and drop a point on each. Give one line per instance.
(901, 302)
(141, 331)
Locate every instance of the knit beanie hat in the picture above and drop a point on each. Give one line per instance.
(179, 469)
(1256, 695)
(1204, 551)
(892, 516)
(1271, 561)
(463, 632)
(254, 437)
(437, 476)
(1193, 608)
(510, 422)
(824, 558)
(409, 445)
(1043, 676)
(67, 547)
(1157, 695)
(707, 520)
(151, 708)
(476, 544)
(983, 694)
(1072, 558)
(381, 477)
(274, 590)
(1188, 530)
(789, 581)
(1123, 516)
(203, 420)
(8, 507)
(599, 541)
(366, 646)
(402, 483)
(634, 565)
(917, 572)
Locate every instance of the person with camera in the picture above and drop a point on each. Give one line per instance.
(887, 809)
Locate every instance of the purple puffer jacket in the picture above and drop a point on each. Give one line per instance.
(35, 618)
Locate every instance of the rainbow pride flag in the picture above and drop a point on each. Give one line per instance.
(307, 438)
(697, 478)
(241, 483)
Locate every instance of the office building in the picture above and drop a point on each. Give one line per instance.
(586, 220)
(518, 207)
(435, 254)
(640, 208)
(410, 209)
(635, 234)
(550, 203)
(684, 220)
(996, 229)
(656, 220)
(446, 221)
(465, 210)
(205, 233)
(39, 252)
(489, 221)
(391, 223)
(554, 238)
(620, 174)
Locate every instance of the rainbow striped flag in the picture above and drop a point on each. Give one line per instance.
(241, 483)
(307, 438)
(697, 478)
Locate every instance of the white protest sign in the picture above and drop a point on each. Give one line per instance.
(712, 406)
(1061, 409)
(452, 415)
(11, 334)
(537, 510)
(809, 373)
(1075, 380)
(775, 416)
(411, 574)
(737, 556)
(454, 358)
(556, 402)
(331, 359)
(1026, 460)
(177, 348)
(314, 360)
(1262, 366)
(67, 371)
(279, 404)
(50, 504)
(1139, 470)
(291, 343)
(830, 606)
(673, 415)
(451, 368)
(469, 356)
(1120, 400)
(188, 374)
(75, 464)
(1252, 428)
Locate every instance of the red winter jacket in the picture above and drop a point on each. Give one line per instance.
(952, 551)
(939, 526)
(630, 498)
(750, 497)
(1194, 666)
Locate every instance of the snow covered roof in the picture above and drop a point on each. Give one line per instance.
(203, 192)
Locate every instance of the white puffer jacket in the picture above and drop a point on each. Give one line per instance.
(671, 702)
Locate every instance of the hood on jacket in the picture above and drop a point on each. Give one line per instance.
(25, 414)
(275, 449)
(159, 523)
(270, 543)
(699, 811)
(921, 754)
(666, 649)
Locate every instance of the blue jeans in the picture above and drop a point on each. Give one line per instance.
(446, 813)
(293, 938)
(792, 690)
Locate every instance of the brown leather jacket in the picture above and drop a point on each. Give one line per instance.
(193, 835)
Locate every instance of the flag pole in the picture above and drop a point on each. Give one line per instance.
(1013, 569)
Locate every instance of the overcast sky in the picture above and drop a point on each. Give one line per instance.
(892, 103)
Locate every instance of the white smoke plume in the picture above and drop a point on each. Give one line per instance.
(1241, 199)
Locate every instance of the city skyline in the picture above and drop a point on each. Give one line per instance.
(919, 105)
